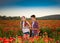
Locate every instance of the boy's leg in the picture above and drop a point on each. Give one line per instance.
(32, 33)
(35, 33)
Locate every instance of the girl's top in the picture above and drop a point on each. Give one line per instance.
(25, 27)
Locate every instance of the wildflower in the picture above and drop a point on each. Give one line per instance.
(1, 39)
(6, 41)
(11, 39)
(36, 37)
(31, 39)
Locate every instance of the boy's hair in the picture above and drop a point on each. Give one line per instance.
(33, 16)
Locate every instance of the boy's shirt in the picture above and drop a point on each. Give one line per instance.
(32, 24)
(35, 28)
(35, 25)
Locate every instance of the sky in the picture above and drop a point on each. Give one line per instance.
(29, 7)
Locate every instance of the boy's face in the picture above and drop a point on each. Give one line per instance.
(32, 18)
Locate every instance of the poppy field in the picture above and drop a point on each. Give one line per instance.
(10, 32)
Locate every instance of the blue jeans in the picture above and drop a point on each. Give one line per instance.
(34, 33)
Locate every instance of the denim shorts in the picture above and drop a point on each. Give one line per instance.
(26, 33)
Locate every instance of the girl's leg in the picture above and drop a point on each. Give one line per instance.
(26, 35)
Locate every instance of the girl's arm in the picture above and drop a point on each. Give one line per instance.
(28, 24)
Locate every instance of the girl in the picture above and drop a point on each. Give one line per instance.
(25, 27)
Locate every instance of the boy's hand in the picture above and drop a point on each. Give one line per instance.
(38, 30)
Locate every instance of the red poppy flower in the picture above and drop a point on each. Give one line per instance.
(50, 39)
(57, 41)
(1, 39)
(31, 39)
(36, 37)
(11, 39)
(46, 40)
(19, 36)
(6, 41)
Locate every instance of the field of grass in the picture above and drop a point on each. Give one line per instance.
(10, 32)
(13, 24)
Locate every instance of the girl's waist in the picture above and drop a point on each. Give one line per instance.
(25, 27)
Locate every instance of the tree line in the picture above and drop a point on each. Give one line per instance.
(9, 18)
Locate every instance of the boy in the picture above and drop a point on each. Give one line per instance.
(35, 27)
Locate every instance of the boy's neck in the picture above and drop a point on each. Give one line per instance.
(34, 20)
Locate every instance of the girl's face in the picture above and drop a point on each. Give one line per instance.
(23, 18)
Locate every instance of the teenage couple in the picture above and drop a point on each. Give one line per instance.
(26, 27)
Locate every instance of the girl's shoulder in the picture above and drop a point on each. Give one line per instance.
(26, 21)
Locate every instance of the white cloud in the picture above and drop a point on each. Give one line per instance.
(39, 12)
